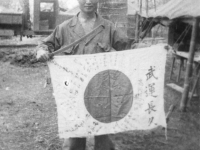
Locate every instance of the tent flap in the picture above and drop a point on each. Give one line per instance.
(173, 9)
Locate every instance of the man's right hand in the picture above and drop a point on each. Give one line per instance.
(42, 55)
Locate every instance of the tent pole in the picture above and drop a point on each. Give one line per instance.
(189, 65)
(138, 23)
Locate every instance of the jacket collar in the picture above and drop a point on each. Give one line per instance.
(77, 30)
(99, 20)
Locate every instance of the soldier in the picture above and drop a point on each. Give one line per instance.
(109, 39)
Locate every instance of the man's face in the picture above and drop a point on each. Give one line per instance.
(88, 6)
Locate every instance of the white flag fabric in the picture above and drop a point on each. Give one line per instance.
(108, 93)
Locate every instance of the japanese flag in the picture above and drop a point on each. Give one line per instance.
(109, 92)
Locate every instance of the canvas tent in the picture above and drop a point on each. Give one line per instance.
(176, 9)
(178, 15)
(171, 10)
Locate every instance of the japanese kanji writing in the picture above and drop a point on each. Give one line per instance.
(151, 88)
(151, 107)
(150, 74)
(151, 120)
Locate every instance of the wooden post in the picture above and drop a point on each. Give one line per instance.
(189, 65)
(137, 28)
(179, 69)
(172, 67)
(22, 26)
(195, 86)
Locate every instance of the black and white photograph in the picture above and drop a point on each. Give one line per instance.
(99, 74)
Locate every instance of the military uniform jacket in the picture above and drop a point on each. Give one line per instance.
(109, 39)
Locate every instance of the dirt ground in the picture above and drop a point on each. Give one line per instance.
(28, 116)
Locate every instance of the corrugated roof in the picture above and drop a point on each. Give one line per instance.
(176, 8)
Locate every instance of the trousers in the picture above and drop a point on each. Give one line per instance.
(102, 142)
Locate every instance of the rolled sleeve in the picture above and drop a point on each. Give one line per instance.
(53, 41)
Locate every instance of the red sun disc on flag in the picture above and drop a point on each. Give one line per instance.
(109, 96)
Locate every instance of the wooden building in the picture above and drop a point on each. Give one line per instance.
(37, 17)
(42, 16)
(45, 15)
